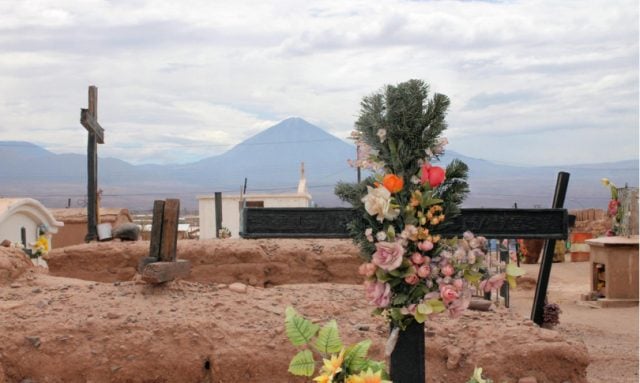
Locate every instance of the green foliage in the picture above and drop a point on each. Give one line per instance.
(302, 364)
(299, 330)
(355, 358)
(329, 339)
(413, 122)
(512, 273)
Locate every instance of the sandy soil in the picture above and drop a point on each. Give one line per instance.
(58, 329)
(611, 334)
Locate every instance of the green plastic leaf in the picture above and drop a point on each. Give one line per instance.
(382, 275)
(299, 330)
(428, 201)
(512, 281)
(472, 276)
(436, 305)
(425, 309)
(514, 270)
(419, 317)
(302, 364)
(329, 339)
(355, 356)
(399, 300)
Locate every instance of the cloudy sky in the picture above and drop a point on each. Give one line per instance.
(531, 82)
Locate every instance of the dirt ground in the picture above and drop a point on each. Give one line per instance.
(611, 334)
(60, 329)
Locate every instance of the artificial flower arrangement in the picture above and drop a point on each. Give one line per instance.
(411, 271)
(613, 208)
(40, 247)
(340, 364)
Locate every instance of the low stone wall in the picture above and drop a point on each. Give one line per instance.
(263, 262)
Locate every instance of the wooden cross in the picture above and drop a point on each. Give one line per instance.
(408, 357)
(162, 264)
(89, 119)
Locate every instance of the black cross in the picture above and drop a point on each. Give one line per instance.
(89, 119)
(407, 359)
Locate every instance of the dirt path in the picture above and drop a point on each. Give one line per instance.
(611, 334)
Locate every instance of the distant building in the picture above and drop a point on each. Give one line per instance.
(231, 207)
(75, 223)
(18, 215)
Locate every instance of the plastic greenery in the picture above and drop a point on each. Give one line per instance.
(340, 364)
(477, 377)
(406, 203)
(613, 209)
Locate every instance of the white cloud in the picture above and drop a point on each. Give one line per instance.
(181, 80)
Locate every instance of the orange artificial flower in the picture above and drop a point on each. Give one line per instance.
(393, 183)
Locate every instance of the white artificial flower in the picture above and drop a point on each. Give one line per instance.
(377, 202)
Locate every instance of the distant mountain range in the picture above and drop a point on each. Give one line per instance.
(270, 161)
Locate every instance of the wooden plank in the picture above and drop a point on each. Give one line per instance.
(144, 261)
(169, 241)
(91, 124)
(92, 189)
(540, 297)
(332, 223)
(160, 272)
(296, 222)
(509, 223)
(156, 229)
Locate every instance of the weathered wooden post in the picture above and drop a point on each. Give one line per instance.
(218, 207)
(537, 311)
(89, 119)
(162, 264)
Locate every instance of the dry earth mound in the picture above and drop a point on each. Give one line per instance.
(60, 329)
(264, 262)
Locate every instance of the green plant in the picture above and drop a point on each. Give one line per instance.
(339, 363)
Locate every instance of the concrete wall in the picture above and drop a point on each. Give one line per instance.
(231, 210)
(10, 227)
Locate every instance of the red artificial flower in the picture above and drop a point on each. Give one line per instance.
(435, 175)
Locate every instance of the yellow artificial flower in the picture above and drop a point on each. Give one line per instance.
(354, 379)
(43, 243)
(334, 365)
(367, 377)
(605, 181)
(322, 379)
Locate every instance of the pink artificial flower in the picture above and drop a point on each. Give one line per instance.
(417, 258)
(425, 245)
(457, 307)
(367, 269)
(424, 271)
(448, 294)
(411, 279)
(613, 207)
(388, 255)
(411, 309)
(378, 293)
(458, 284)
(495, 282)
(447, 270)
